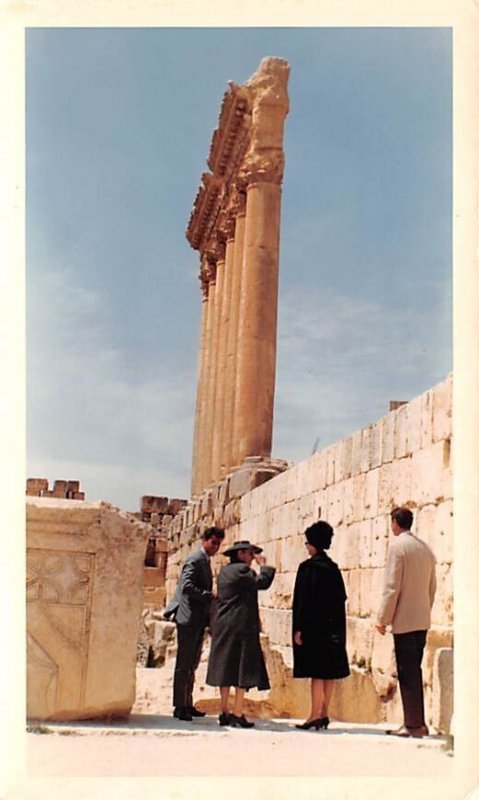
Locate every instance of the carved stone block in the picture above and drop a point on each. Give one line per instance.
(84, 601)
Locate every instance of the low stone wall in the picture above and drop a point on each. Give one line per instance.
(84, 603)
(403, 459)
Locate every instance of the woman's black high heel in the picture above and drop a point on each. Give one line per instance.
(320, 722)
(241, 721)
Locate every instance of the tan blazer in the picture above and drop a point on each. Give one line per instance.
(409, 584)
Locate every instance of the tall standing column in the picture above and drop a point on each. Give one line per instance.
(208, 395)
(210, 412)
(218, 464)
(230, 449)
(256, 355)
(202, 384)
(262, 172)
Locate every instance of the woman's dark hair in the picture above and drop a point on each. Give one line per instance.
(403, 517)
(234, 557)
(320, 535)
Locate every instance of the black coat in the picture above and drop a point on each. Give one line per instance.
(236, 658)
(319, 613)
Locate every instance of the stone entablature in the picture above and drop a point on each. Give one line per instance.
(66, 490)
(403, 459)
(235, 227)
(84, 604)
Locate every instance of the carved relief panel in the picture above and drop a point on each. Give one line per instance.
(59, 593)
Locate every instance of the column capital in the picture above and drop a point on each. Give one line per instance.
(207, 274)
(214, 250)
(263, 168)
(237, 203)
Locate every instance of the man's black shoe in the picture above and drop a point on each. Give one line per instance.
(195, 712)
(183, 714)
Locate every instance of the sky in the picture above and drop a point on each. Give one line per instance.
(118, 128)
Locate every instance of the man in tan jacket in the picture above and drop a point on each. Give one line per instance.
(408, 595)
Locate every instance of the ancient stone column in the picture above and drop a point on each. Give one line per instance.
(210, 411)
(232, 343)
(236, 383)
(200, 395)
(208, 395)
(218, 463)
(262, 171)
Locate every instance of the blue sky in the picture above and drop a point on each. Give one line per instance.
(119, 123)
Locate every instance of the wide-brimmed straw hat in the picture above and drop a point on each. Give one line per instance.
(243, 545)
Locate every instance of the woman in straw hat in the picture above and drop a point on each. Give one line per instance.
(236, 658)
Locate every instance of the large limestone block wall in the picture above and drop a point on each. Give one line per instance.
(402, 459)
(84, 603)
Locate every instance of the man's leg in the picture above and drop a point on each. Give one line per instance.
(197, 637)
(190, 640)
(409, 648)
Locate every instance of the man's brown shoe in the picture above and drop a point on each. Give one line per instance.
(407, 733)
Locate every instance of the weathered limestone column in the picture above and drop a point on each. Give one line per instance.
(246, 161)
(218, 462)
(230, 456)
(207, 419)
(200, 395)
(210, 411)
(263, 171)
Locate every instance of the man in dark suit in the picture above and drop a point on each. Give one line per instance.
(190, 608)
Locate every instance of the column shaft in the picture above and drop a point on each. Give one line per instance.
(257, 324)
(230, 456)
(200, 402)
(205, 472)
(218, 464)
(211, 407)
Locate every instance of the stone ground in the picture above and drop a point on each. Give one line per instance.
(159, 746)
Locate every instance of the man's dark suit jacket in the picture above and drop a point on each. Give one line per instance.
(190, 604)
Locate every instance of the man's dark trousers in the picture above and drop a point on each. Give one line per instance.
(409, 648)
(190, 643)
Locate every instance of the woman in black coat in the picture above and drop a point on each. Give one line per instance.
(236, 658)
(319, 624)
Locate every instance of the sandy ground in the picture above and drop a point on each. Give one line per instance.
(153, 745)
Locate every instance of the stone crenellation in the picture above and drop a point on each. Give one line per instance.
(402, 459)
(65, 490)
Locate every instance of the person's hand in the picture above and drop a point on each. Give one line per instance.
(297, 638)
(261, 560)
(381, 629)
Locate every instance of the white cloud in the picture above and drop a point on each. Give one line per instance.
(96, 416)
(340, 362)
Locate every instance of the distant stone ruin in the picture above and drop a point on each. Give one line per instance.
(66, 490)
(235, 227)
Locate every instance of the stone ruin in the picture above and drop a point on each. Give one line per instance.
(84, 601)
(403, 459)
(234, 226)
(94, 572)
(67, 490)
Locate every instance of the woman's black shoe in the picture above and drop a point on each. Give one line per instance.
(242, 722)
(224, 718)
(320, 722)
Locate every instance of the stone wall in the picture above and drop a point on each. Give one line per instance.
(403, 459)
(66, 490)
(84, 604)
